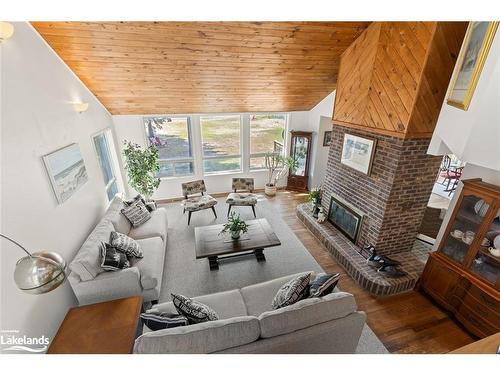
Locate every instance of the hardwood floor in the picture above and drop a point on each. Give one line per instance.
(406, 323)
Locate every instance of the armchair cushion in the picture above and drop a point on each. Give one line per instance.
(199, 203)
(241, 199)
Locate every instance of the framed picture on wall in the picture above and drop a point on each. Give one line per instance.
(475, 47)
(327, 138)
(357, 152)
(66, 170)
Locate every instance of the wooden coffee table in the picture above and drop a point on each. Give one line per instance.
(211, 245)
(101, 328)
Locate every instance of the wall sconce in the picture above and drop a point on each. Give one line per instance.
(81, 107)
(6, 30)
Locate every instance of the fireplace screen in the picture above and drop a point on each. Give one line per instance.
(345, 218)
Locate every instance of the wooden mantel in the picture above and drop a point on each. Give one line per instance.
(394, 77)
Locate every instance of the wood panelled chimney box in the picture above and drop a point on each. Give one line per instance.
(391, 86)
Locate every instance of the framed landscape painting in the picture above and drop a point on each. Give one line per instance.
(357, 152)
(477, 42)
(66, 170)
(327, 138)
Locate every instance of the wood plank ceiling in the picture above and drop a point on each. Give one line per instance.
(203, 67)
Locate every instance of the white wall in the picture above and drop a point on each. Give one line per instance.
(473, 135)
(37, 117)
(131, 128)
(320, 120)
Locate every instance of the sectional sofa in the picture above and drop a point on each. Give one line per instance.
(91, 284)
(248, 324)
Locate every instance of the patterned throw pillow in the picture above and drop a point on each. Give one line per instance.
(112, 259)
(136, 213)
(150, 204)
(125, 244)
(195, 311)
(291, 292)
(323, 284)
(156, 321)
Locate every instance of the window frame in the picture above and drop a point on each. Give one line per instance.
(240, 156)
(175, 160)
(261, 154)
(106, 133)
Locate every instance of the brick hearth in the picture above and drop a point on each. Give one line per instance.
(347, 254)
(395, 194)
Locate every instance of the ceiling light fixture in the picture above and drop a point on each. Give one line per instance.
(6, 30)
(81, 107)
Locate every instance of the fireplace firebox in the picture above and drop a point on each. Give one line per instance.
(345, 218)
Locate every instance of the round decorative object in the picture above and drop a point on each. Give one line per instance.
(481, 208)
(270, 190)
(495, 252)
(496, 242)
(40, 273)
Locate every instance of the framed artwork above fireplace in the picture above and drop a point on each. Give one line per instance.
(357, 152)
(345, 218)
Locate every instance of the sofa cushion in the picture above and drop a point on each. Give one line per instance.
(156, 226)
(157, 321)
(195, 311)
(87, 263)
(228, 304)
(151, 264)
(204, 337)
(292, 291)
(113, 214)
(258, 297)
(306, 313)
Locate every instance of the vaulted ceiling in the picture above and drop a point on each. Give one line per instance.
(200, 67)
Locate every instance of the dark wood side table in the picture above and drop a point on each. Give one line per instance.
(101, 328)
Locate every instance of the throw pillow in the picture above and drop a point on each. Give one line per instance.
(150, 204)
(125, 244)
(292, 291)
(136, 213)
(195, 311)
(112, 259)
(323, 284)
(157, 321)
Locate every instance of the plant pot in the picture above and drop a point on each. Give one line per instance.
(235, 234)
(270, 190)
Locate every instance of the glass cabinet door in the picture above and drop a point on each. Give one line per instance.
(464, 229)
(300, 150)
(486, 263)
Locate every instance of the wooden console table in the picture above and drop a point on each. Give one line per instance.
(101, 328)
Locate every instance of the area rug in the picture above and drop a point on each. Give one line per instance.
(185, 275)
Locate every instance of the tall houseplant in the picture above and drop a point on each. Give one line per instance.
(277, 166)
(142, 166)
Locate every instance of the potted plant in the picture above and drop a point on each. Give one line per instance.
(142, 166)
(235, 226)
(277, 166)
(314, 197)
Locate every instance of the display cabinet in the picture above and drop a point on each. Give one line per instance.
(300, 148)
(463, 275)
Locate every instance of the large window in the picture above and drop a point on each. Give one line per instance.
(103, 154)
(267, 133)
(221, 143)
(172, 138)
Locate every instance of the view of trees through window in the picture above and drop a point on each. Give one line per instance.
(267, 133)
(221, 143)
(171, 136)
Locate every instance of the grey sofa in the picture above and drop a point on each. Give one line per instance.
(330, 324)
(91, 284)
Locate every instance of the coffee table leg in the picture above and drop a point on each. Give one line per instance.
(259, 254)
(213, 263)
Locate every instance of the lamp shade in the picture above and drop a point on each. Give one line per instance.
(40, 273)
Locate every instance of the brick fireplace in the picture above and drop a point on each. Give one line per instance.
(393, 198)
